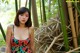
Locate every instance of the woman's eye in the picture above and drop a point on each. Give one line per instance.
(21, 15)
(26, 15)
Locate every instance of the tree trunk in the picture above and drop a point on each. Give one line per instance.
(34, 12)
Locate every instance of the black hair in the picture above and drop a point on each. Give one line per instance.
(21, 11)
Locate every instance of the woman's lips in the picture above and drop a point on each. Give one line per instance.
(23, 20)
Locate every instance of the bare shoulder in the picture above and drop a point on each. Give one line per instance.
(31, 30)
(9, 27)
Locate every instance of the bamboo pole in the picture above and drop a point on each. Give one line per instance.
(4, 36)
(76, 17)
(78, 10)
(49, 5)
(16, 5)
(30, 5)
(43, 11)
(72, 24)
(19, 3)
(73, 50)
(63, 25)
(53, 42)
(26, 3)
(34, 13)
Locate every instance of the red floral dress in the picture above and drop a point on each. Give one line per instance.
(20, 46)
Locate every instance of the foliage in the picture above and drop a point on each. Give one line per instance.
(2, 42)
(7, 14)
(53, 9)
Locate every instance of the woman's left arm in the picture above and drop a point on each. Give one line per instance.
(32, 40)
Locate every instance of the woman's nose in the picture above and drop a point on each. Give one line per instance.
(24, 16)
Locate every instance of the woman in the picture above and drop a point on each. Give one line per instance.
(20, 36)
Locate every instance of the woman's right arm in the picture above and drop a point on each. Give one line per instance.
(8, 35)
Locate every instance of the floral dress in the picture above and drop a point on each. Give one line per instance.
(20, 46)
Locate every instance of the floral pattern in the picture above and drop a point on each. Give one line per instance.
(20, 46)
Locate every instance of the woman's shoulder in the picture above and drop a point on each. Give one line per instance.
(9, 27)
(31, 28)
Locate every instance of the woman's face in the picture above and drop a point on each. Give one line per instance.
(23, 17)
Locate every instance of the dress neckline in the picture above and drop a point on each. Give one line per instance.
(22, 39)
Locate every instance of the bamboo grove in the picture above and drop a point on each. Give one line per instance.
(68, 13)
(54, 31)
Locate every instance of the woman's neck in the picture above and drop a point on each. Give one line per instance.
(22, 25)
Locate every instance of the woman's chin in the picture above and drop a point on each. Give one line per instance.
(22, 22)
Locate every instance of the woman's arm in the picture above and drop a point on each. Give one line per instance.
(32, 39)
(8, 35)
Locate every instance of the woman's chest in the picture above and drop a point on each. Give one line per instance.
(21, 35)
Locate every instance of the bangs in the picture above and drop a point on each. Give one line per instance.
(22, 10)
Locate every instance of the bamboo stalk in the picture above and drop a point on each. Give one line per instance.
(30, 5)
(26, 3)
(78, 10)
(41, 12)
(34, 13)
(72, 24)
(73, 50)
(16, 5)
(4, 36)
(19, 3)
(44, 12)
(53, 42)
(63, 25)
(49, 5)
(76, 17)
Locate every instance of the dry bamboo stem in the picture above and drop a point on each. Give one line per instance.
(76, 16)
(73, 50)
(72, 24)
(53, 42)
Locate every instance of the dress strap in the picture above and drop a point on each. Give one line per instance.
(13, 29)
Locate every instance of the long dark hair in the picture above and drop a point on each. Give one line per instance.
(21, 11)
